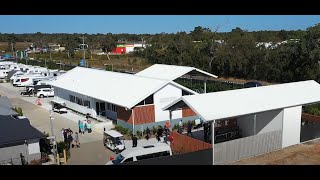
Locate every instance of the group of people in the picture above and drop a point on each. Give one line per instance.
(69, 139)
(84, 126)
(189, 128)
(163, 131)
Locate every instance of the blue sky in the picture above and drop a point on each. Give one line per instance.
(140, 24)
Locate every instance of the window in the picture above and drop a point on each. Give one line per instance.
(86, 103)
(185, 93)
(147, 156)
(111, 107)
(79, 101)
(148, 100)
(72, 98)
(128, 160)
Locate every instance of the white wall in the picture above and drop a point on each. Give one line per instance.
(269, 121)
(34, 148)
(291, 126)
(129, 49)
(162, 98)
(63, 95)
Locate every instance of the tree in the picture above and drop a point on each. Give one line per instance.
(107, 44)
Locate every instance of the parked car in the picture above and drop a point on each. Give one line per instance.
(59, 106)
(142, 153)
(45, 92)
(252, 84)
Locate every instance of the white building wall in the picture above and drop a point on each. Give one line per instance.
(63, 95)
(34, 148)
(129, 49)
(162, 98)
(269, 121)
(291, 126)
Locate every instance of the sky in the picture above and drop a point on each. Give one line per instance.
(151, 24)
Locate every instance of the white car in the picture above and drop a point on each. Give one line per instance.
(45, 92)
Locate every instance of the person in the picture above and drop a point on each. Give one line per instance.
(180, 127)
(147, 133)
(159, 133)
(62, 133)
(87, 116)
(205, 131)
(134, 141)
(85, 126)
(166, 133)
(70, 140)
(79, 122)
(89, 126)
(81, 127)
(76, 140)
(65, 136)
(189, 128)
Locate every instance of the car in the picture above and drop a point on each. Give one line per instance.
(45, 92)
(59, 107)
(252, 84)
(141, 153)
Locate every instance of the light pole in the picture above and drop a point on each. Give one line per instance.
(53, 138)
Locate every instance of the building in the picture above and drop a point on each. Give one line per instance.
(129, 100)
(128, 47)
(17, 136)
(269, 117)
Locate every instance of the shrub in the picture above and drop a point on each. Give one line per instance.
(60, 147)
(35, 162)
(139, 134)
(313, 109)
(154, 130)
(176, 126)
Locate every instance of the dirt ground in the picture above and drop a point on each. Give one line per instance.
(302, 154)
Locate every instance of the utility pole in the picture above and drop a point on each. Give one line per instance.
(54, 138)
(83, 51)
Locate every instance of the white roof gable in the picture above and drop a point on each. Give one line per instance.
(225, 104)
(169, 72)
(122, 89)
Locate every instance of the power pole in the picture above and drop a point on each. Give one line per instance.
(83, 51)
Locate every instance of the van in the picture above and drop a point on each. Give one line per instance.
(142, 153)
(45, 92)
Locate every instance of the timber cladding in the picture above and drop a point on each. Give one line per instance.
(142, 114)
(185, 144)
(186, 112)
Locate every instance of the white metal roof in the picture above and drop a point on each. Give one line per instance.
(140, 150)
(113, 133)
(225, 104)
(169, 72)
(122, 89)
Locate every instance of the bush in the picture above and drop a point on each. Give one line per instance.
(176, 126)
(313, 109)
(18, 110)
(35, 162)
(154, 130)
(121, 129)
(60, 147)
(139, 134)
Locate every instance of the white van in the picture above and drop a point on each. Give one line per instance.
(45, 92)
(142, 152)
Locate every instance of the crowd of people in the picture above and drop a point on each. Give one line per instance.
(84, 126)
(69, 139)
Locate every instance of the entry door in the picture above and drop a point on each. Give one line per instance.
(98, 108)
(103, 109)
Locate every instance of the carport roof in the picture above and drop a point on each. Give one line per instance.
(226, 104)
(169, 72)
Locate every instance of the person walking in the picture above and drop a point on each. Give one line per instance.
(189, 129)
(76, 140)
(180, 127)
(147, 133)
(81, 127)
(89, 126)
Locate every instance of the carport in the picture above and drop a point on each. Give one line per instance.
(269, 117)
